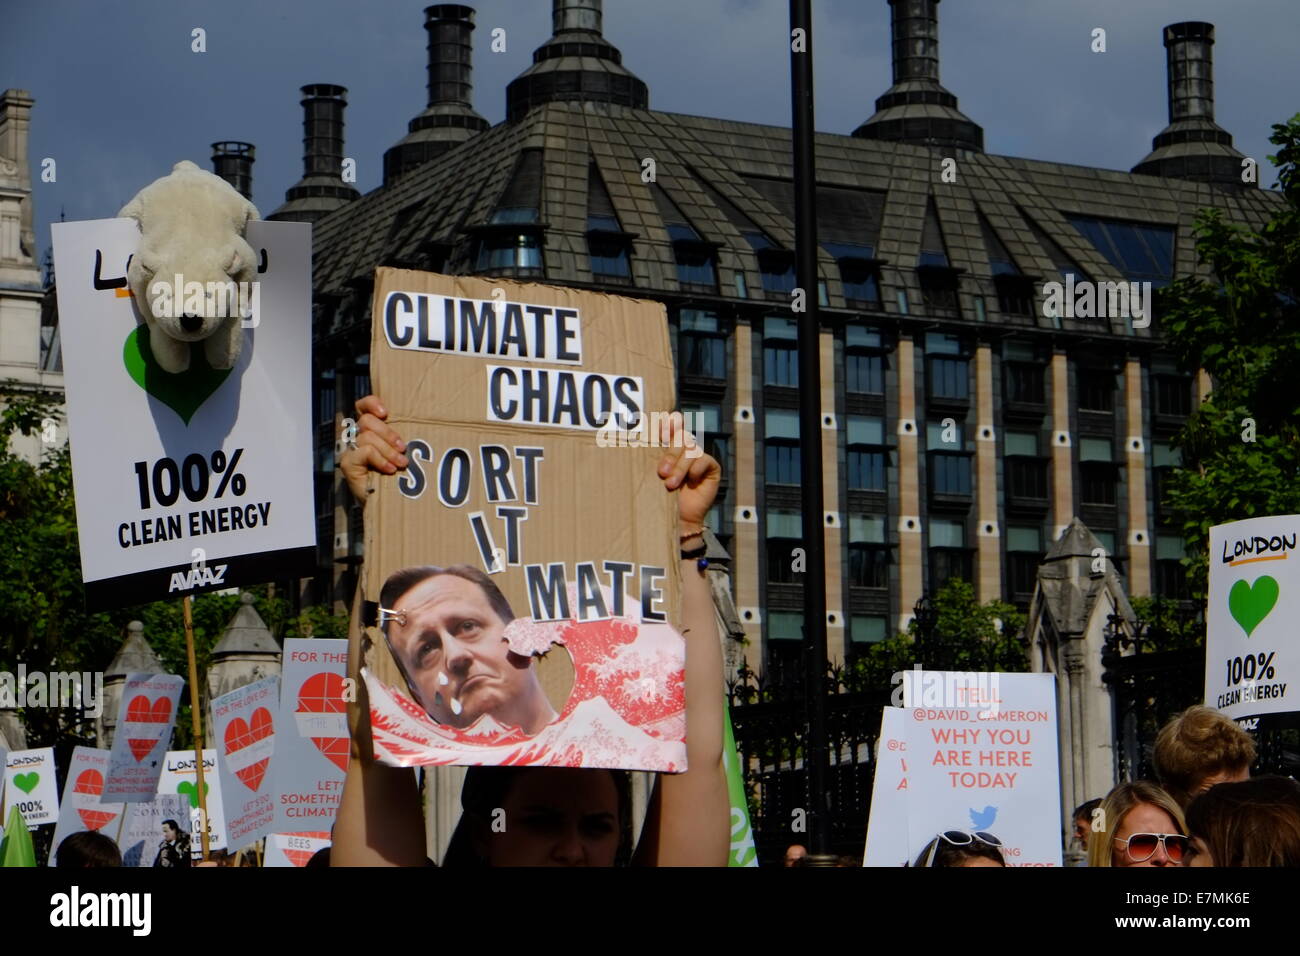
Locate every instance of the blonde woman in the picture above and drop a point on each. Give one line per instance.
(1141, 825)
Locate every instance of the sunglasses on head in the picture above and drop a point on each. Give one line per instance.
(960, 838)
(1142, 846)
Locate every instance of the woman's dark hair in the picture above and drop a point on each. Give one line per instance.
(949, 854)
(1252, 823)
(176, 828)
(486, 788)
(87, 848)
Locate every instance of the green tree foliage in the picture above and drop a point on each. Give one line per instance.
(966, 636)
(43, 621)
(1242, 326)
(1167, 625)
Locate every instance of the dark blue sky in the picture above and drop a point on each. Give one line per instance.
(120, 97)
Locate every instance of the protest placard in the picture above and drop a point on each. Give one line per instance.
(531, 533)
(141, 835)
(982, 756)
(887, 836)
(311, 754)
(294, 849)
(179, 776)
(243, 724)
(145, 719)
(192, 481)
(30, 785)
(82, 807)
(1251, 650)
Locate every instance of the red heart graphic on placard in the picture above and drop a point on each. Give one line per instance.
(300, 857)
(323, 694)
(240, 735)
(140, 711)
(91, 782)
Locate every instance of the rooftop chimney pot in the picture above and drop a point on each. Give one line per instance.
(233, 162)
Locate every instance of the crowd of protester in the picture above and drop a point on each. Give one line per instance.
(1203, 809)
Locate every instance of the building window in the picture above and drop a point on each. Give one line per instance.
(866, 453)
(866, 469)
(509, 251)
(1024, 383)
(609, 257)
(783, 462)
(1141, 252)
(1096, 390)
(696, 259)
(858, 272)
(776, 265)
(949, 378)
(867, 629)
(868, 552)
(607, 244)
(785, 626)
(1026, 473)
(1171, 576)
(781, 446)
(1173, 395)
(1098, 471)
(938, 287)
(327, 397)
(950, 473)
(696, 263)
(708, 426)
(702, 348)
(948, 555)
(780, 352)
(864, 363)
(864, 373)
(511, 215)
(361, 378)
(1024, 553)
(1015, 294)
(784, 534)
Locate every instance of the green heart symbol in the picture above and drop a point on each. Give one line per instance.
(1250, 604)
(190, 790)
(184, 392)
(26, 782)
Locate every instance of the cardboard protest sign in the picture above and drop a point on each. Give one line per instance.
(311, 755)
(1252, 656)
(294, 849)
(31, 787)
(141, 835)
(551, 641)
(82, 807)
(887, 837)
(193, 481)
(180, 777)
(986, 763)
(243, 723)
(145, 720)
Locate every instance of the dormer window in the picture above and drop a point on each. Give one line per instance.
(609, 247)
(696, 258)
(859, 273)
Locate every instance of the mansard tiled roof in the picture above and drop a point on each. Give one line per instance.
(432, 204)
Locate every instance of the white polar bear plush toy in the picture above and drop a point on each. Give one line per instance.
(192, 226)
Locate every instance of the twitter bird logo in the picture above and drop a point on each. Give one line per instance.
(983, 819)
